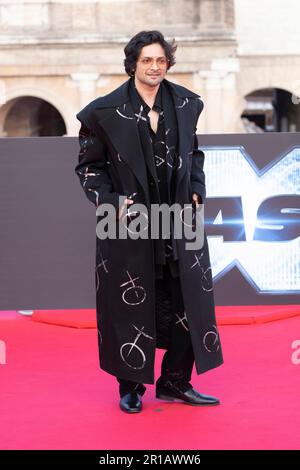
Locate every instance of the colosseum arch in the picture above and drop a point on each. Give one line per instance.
(271, 109)
(39, 104)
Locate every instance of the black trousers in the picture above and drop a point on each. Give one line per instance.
(178, 360)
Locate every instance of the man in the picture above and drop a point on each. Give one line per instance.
(140, 142)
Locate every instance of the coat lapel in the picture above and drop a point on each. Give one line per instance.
(186, 114)
(115, 115)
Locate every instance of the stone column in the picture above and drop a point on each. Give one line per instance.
(218, 89)
(4, 107)
(87, 85)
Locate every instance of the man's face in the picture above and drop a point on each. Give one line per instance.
(151, 66)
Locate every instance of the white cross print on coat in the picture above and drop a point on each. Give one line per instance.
(181, 321)
(133, 295)
(140, 116)
(86, 174)
(169, 158)
(123, 111)
(136, 348)
(206, 282)
(97, 195)
(102, 264)
(211, 340)
(184, 102)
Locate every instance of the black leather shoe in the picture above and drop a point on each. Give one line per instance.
(131, 403)
(171, 392)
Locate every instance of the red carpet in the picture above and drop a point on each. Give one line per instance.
(55, 396)
(73, 318)
(226, 315)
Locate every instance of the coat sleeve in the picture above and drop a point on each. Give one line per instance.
(92, 168)
(197, 173)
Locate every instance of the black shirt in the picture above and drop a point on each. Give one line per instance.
(160, 158)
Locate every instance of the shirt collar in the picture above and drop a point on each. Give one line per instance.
(138, 100)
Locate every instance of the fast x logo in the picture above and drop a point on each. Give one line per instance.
(252, 217)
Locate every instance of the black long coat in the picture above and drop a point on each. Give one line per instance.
(111, 163)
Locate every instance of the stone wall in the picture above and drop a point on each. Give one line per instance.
(68, 52)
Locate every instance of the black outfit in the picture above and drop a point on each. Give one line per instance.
(112, 162)
(178, 360)
(161, 157)
(160, 152)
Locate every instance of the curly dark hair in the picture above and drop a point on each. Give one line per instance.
(144, 38)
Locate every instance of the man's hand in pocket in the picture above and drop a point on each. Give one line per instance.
(127, 202)
(197, 199)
